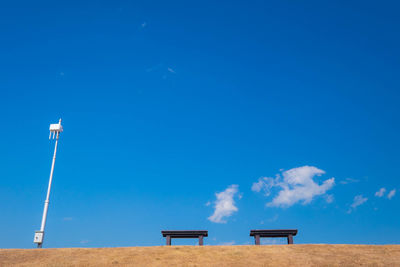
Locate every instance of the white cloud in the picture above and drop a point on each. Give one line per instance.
(225, 204)
(296, 185)
(381, 192)
(85, 241)
(391, 194)
(357, 201)
(171, 70)
(258, 186)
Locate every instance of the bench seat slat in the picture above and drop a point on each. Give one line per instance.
(185, 233)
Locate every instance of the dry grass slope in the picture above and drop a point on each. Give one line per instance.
(282, 255)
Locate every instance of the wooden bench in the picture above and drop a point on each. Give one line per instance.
(289, 233)
(185, 234)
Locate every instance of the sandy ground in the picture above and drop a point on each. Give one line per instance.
(273, 255)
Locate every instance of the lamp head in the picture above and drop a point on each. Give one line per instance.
(56, 129)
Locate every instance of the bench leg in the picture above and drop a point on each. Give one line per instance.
(200, 240)
(168, 240)
(257, 239)
(290, 239)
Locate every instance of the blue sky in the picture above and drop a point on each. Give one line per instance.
(225, 116)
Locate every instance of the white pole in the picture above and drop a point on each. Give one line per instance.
(46, 202)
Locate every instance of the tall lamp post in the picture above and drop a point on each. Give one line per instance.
(55, 130)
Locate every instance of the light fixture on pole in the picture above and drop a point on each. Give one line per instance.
(55, 130)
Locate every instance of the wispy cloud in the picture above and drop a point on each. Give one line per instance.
(171, 70)
(224, 204)
(143, 25)
(154, 68)
(357, 201)
(67, 219)
(295, 185)
(391, 194)
(273, 219)
(163, 70)
(265, 184)
(380, 192)
(85, 241)
(329, 198)
(349, 181)
(60, 75)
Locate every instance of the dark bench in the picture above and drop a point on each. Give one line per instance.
(185, 234)
(289, 233)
